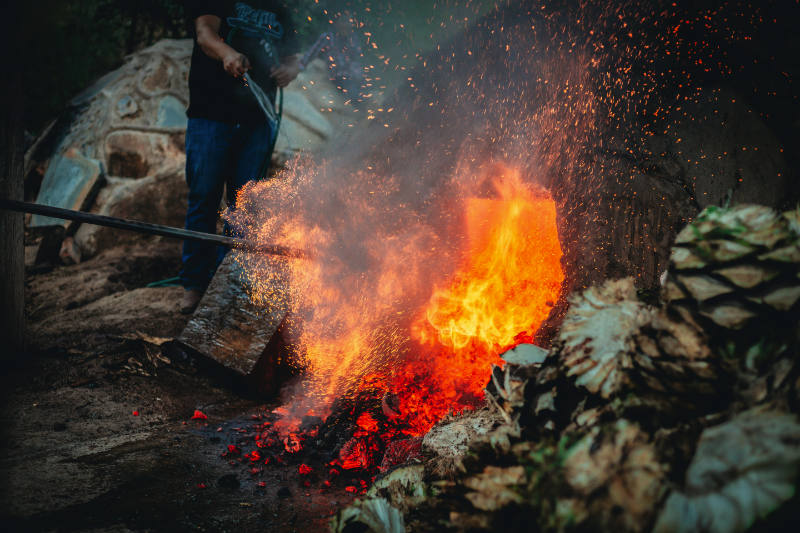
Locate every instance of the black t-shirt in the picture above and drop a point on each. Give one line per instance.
(213, 93)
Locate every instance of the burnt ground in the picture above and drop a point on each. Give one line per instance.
(74, 455)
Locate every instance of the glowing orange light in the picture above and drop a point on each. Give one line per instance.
(506, 288)
(512, 276)
(361, 334)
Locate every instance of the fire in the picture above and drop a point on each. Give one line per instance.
(396, 309)
(399, 313)
(505, 289)
(512, 275)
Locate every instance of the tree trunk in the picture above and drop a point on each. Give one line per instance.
(12, 253)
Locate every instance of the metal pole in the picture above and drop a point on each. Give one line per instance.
(153, 229)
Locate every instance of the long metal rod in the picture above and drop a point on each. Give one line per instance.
(153, 229)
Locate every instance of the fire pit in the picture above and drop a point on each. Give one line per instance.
(380, 368)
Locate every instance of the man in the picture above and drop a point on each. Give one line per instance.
(229, 136)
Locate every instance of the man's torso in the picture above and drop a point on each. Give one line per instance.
(214, 94)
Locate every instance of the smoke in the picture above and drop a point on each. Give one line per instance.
(381, 210)
(534, 88)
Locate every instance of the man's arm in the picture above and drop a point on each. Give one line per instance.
(207, 31)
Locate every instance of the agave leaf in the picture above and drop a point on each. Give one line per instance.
(570, 512)
(766, 237)
(742, 470)
(674, 357)
(596, 339)
(672, 291)
(683, 258)
(704, 287)
(451, 437)
(493, 488)
(638, 486)
(751, 216)
(374, 513)
(620, 459)
(722, 250)
(786, 254)
(591, 461)
(729, 316)
(686, 235)
(470, 521)
(726, 234)
(525, 354)
(747, 276)
(510, 388)
(500, 438)
(793, 220)
(783, 298)
(403, 488)
(546, 401)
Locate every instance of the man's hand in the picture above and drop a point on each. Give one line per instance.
(287, 71)
(235, 64)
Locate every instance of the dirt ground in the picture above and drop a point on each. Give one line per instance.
(97, 423)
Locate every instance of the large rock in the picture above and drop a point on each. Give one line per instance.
(160, 198)
(142, 104)
(129, 125)
(135, 154)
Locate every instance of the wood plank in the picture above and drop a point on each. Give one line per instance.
(230, 331)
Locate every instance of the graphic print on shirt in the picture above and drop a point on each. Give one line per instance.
(256, 19)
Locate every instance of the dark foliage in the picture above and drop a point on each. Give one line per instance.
(66, 44)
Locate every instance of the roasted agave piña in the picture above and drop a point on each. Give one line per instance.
(736, 273)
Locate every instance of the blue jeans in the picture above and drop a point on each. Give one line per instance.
(217, 154)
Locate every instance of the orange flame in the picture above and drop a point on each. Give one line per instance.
(512, 276)
(510, 280)
(385, 328)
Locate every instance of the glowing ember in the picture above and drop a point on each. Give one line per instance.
(253, 456)
(367, 423)
(292, 443)
(355, 454)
